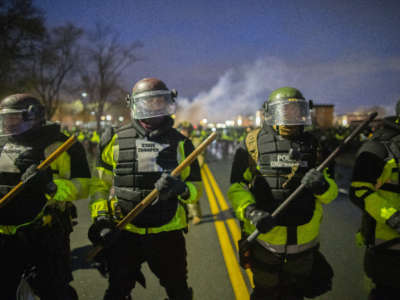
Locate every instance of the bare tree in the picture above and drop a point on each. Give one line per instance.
(55, 59)
(105, 59)
(21, 27)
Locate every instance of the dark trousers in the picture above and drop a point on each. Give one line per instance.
(164, 252)
(383, 267)
(46, 250)
(289, 277)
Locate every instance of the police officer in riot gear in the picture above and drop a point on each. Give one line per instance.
(35, 224)
(133, 160)
(267, 168)
(374, 189)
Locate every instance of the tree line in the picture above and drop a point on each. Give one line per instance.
(54, 62)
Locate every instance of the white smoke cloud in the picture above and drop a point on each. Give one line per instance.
(242, 90)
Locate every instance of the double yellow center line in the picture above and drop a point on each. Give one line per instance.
(214, 194)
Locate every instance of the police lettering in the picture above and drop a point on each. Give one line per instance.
(148, 148)
(283, 160)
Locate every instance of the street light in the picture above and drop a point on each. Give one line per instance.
(84, 94)
(239, 121)
(108, 117)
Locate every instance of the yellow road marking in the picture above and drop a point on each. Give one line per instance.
(232, 225)
(232, 266)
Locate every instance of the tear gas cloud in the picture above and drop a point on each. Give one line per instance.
(350, 84)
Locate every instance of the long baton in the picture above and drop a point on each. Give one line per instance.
(322, 166)
(154, 193)
(42, 166)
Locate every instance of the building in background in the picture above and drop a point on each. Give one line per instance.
(322, 115)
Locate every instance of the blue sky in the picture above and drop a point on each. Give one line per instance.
(227, 56)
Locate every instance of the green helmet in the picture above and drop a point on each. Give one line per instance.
(286, 106)
(186, 125)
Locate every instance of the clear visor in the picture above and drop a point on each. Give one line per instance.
(288, 112)
(12, 122)
(152, 104)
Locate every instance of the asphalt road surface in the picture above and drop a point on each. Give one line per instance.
(213, 270)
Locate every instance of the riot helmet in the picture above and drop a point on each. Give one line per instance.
(151, 98)
(287, 110)
(20, 113)
(287, 106)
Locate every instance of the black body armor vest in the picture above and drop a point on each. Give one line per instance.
(141, 161)
(283, 163)
(15, 157)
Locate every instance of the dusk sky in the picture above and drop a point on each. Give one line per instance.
(225, 57)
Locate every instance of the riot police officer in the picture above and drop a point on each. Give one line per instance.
(267, 168)
(35, 225)
(133, 160)
(374, 189)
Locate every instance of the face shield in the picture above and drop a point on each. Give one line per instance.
(152, 104)
(288, 112)
(13, 122)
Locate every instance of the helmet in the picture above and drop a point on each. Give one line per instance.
(286, 106)
(20, 113)
(186, 125)
(151, 98)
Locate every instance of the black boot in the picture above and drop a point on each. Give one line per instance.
(183, 295)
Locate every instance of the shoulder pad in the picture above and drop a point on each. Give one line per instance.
(373, 147)
(106, 137)
(122, 128)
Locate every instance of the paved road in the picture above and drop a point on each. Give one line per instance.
(213, 269)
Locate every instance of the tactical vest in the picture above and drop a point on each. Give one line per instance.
(141, 161)
(282, 163)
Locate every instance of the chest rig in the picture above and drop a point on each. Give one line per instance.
(15, 158)
(141, 161)
(282, 163)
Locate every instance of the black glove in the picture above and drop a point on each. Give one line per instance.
(104, 232)
(314, 180)
(263, 221)
(169, 187)
(394, 221)
(39, 179)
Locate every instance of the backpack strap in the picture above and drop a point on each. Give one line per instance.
(252, 148)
